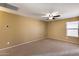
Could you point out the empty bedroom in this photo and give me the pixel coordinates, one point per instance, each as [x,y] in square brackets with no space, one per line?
[39,29]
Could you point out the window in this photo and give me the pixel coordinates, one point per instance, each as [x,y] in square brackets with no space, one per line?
[72,29]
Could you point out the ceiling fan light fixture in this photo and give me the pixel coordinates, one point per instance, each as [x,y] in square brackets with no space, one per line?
[50,17]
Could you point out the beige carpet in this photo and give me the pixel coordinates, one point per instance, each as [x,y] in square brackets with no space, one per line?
[46,47]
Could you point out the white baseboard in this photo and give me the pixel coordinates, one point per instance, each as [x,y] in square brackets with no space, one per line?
[20,44]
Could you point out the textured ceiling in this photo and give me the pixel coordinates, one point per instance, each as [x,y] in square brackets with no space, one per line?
[66,10]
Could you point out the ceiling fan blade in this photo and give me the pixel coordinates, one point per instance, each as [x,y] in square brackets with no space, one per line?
[44,16]
[57,16]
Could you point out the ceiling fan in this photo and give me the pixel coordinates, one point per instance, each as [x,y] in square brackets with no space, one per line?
[50,16]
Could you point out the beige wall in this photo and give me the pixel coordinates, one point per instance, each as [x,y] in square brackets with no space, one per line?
[25,29]
[57,30]
[20,29]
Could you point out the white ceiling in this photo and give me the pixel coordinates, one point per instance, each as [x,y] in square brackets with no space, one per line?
[66,10]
